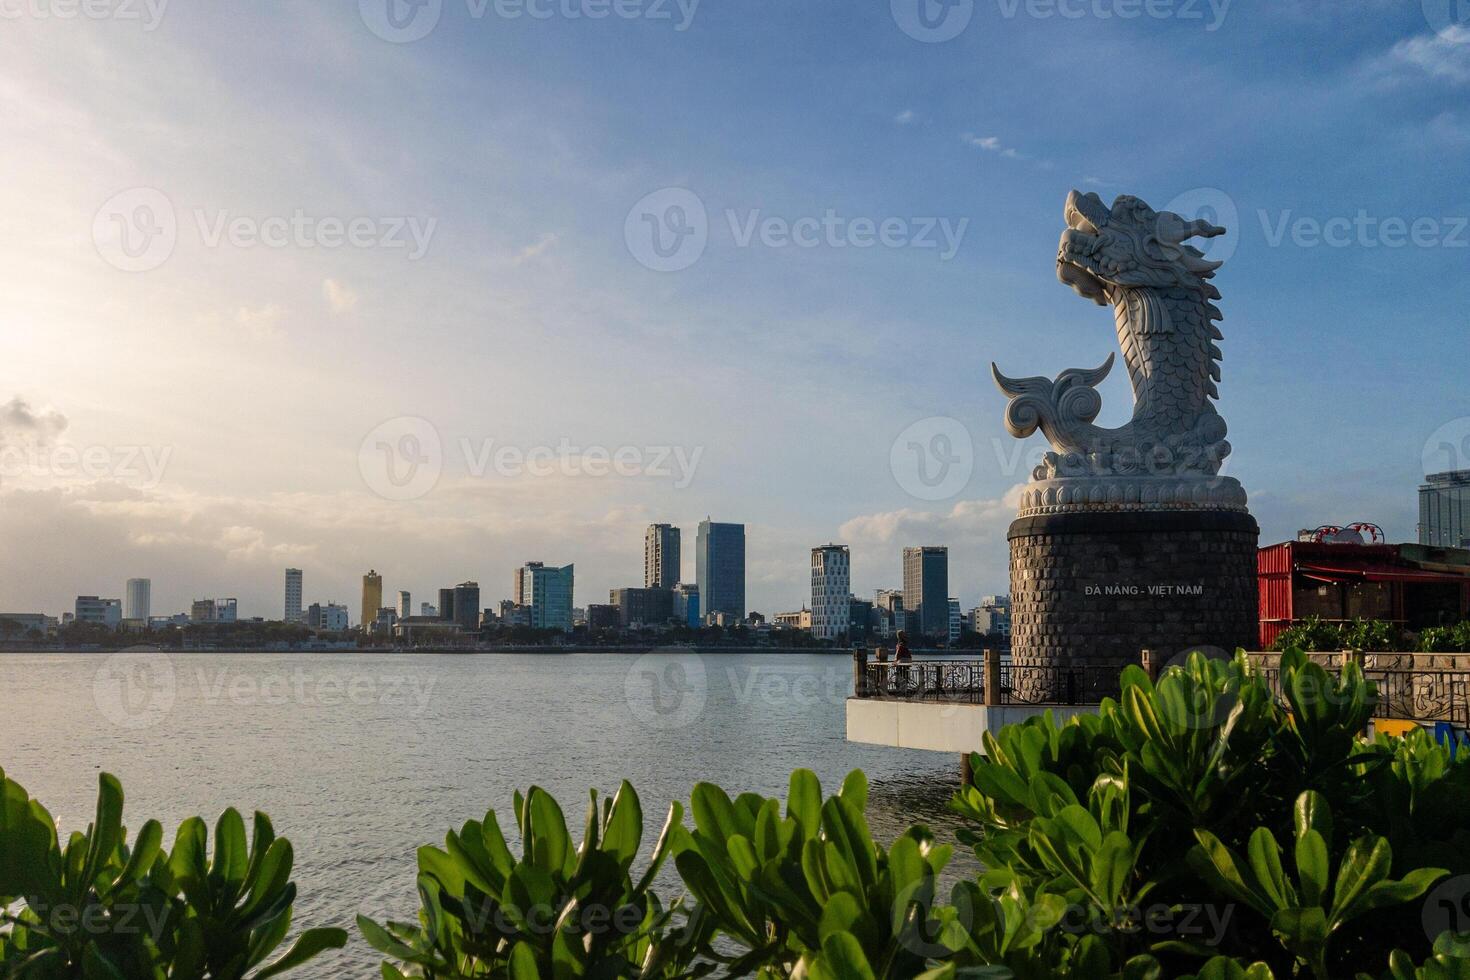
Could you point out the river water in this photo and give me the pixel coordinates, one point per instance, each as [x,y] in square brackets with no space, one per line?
[361,758]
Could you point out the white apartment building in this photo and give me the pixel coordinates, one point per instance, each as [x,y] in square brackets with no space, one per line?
[831,591]
[293,596]
[139,599]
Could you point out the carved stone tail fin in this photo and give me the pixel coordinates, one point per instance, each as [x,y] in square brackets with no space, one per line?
[1063,408]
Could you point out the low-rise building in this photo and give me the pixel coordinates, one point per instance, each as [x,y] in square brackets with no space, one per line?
[992,617]
[16,626]
[430,631]
[1412,585]
[331,618]
[98,611]
[642,607]
[686,604]
[603,617]
[799,620]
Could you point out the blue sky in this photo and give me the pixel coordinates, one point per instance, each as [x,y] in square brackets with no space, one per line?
[255,374]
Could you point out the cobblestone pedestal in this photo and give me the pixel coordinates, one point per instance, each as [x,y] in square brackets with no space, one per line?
[1095,588]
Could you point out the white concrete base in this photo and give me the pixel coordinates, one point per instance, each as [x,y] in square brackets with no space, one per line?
[937,726]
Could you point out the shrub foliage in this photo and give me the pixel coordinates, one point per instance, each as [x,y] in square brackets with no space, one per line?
[103,907]
[1199,826]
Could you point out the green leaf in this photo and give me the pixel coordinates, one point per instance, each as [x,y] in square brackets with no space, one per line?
[106,831]
[310,944]
[230,855]
[548,845]
[1112,868]
[624,831]
[1303,931]
[714,814]
[1311,812]
[523,963]
[1367,862]
[843,958]
[1265,858]
[1312,869]
[804,802]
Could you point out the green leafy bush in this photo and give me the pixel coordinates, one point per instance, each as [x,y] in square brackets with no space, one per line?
[1198,826]
[100,907]
[1445,639]
[810,893]
[1183,794]
[1195,827]
[1313,635]
[557,910]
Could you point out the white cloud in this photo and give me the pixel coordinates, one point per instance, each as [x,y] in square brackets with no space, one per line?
[1451,128]
[1445,56]
[263,323]
[905,117]
[19,419]
[974,531]
[537,248]
[992,144]
[340,297]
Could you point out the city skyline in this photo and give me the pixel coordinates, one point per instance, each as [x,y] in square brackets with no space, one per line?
[208,487]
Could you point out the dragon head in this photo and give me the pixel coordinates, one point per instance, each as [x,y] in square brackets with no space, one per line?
[1129,245]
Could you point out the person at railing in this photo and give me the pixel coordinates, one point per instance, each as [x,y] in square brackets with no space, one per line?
[903,658]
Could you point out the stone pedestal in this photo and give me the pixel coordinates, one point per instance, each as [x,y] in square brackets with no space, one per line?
[1096,587]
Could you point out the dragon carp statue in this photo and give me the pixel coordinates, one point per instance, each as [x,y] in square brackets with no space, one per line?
[1130,538]
[1136,260]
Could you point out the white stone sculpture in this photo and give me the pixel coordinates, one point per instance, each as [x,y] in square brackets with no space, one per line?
[1168,457]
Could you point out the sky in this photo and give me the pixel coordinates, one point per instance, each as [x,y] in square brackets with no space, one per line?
[441,288]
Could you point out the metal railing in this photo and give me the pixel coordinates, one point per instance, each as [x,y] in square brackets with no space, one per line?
[1420,694]
[1058,684]
[961,681]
